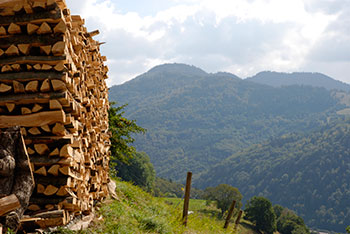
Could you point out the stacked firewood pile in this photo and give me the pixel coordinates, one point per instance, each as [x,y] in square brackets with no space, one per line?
[52,84]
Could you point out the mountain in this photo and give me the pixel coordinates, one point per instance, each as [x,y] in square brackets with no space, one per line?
[308,173]
[278,79]
[196,120]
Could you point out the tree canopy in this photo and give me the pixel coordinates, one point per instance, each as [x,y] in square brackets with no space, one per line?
[260,212]
[223,194]
[121,134]
[139,170]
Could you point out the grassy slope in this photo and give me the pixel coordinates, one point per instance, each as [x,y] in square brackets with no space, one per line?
[139,212]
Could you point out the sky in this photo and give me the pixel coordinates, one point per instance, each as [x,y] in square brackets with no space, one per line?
[242,37]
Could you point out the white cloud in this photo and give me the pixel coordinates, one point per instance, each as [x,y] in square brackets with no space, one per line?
[241,36]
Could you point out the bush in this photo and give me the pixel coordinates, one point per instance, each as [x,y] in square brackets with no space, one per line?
[260,212]
[223,194]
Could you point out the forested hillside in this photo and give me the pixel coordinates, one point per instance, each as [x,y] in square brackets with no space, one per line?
[195,119]
[308,173]
[279,79]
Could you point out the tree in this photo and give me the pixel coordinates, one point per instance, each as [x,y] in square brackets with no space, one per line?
[348,229]
[278,209]
[121,135]
[288,223]
[260,212]
[223,194]
[139,170]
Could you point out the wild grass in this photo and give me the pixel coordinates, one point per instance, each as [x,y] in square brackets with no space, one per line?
[136,211]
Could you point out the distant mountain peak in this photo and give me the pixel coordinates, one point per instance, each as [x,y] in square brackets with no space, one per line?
[227,74]
[176,67]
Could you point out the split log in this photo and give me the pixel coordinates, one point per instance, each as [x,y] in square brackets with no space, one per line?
[59,129]
[46,128]
[6,68]
[40,188]
[33,207]
[46,49]
[18,7]
[2,31]
[55,105]
[55,152]
[50,190]
[45,86]
[24,48]
[3,52]
[9,203]
[30,151]
[34,131]
[62,191]
[37,108]
[32,86]
[41,171]
[12,50]
[18,87]
[44,29]
[10,106]
[5,88]
[14,29]
[37,67]
[46,67]
[58,48]
[15,67]
[37,119]
[41,148]
[50,214]
[45,223]
[32,28]
[60,67]
[60,27]
[58,85]
[66,151]
[25,111]
[54,170]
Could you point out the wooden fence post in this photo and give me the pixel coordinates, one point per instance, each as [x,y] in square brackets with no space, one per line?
[187,198]
[230,212]
[239,217]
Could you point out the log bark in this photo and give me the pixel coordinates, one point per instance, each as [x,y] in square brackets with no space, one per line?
[33,40]
[52,60]
[25,76]
[46,16]
[37,119]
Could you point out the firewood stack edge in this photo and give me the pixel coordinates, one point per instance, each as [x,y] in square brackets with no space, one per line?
[52,84]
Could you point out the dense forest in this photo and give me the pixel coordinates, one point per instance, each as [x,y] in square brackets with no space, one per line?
[196,121]
[307,173]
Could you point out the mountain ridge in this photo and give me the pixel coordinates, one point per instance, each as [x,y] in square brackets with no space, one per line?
[315,79]
[200,118]
[196,120]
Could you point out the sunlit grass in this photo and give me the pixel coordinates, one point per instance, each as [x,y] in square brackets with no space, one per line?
[136,211]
